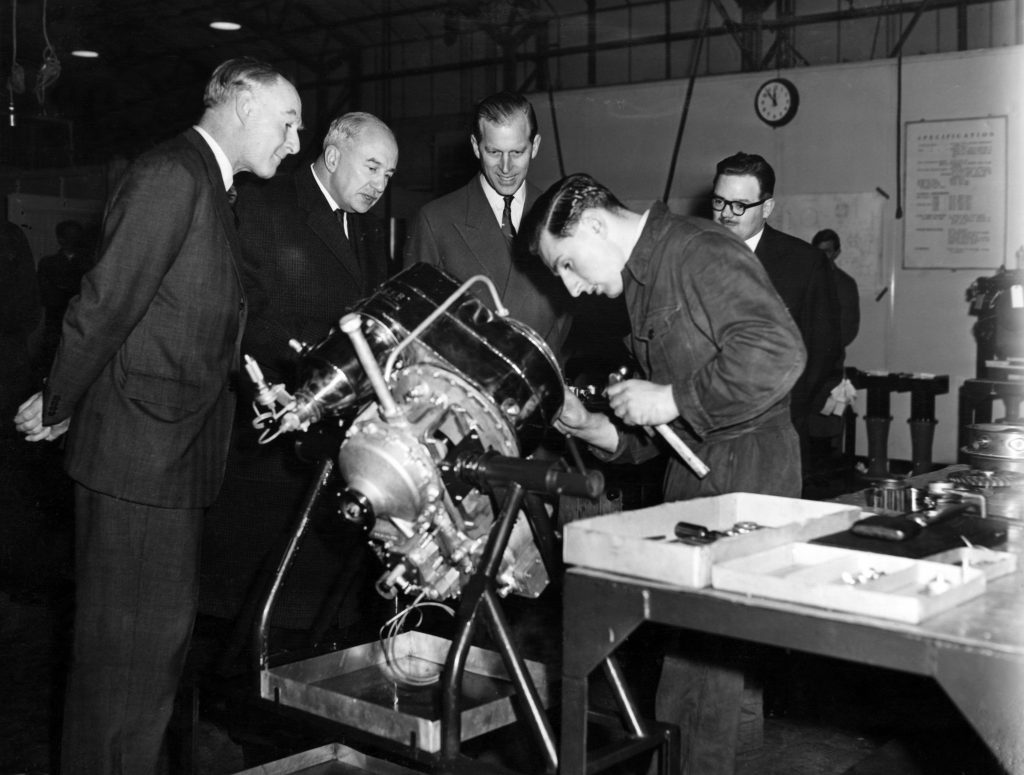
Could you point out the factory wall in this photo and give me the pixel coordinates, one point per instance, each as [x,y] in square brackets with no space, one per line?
[842,146]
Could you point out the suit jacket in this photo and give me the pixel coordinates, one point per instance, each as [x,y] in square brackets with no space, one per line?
[849,306]
[804,279]
[301,274]
[459,234]
[149,345]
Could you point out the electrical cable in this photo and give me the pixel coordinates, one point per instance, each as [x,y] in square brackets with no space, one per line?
[49,72]
[389,632]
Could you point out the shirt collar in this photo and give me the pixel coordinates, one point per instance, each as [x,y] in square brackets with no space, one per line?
[639,256]
[752,242]
[330,199]
[226,172]
[497,201]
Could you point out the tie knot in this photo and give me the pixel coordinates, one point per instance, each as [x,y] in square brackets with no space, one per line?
[232,194]
[508,199]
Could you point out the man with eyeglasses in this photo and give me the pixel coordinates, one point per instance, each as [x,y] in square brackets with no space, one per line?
[742,202]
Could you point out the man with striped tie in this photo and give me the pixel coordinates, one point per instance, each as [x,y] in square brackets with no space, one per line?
[472,230]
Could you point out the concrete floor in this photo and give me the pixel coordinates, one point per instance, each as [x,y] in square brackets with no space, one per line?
[822,717]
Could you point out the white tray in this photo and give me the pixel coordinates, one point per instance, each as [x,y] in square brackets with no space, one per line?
[642,542]
[989,561]
[902,589]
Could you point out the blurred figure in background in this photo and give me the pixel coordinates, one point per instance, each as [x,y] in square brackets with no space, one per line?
[19,314]
[60,278]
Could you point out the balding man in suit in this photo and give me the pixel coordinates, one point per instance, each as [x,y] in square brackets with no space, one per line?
[311,250]
[473,229]
[143,374]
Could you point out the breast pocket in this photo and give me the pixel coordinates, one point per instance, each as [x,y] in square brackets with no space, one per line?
[660,341]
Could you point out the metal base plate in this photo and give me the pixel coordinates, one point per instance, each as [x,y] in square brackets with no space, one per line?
[358,688]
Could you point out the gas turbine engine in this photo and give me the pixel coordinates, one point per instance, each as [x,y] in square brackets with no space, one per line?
[434,384]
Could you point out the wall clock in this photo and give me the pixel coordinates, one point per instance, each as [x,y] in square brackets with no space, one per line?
[776,102]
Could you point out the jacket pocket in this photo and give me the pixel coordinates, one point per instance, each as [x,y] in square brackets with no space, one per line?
[163,397]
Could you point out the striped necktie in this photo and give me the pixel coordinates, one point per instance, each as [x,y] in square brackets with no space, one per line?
[506,219]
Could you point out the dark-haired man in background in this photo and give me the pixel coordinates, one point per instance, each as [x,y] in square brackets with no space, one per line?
[143,376]
[743,200]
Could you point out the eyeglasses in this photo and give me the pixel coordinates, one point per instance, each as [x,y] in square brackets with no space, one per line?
[738,208]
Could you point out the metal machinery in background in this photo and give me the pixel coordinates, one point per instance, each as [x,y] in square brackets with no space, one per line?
[438,398]
[994,445]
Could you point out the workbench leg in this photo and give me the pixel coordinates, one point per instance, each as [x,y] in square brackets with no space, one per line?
[575,702]
[922,434]
[878,446]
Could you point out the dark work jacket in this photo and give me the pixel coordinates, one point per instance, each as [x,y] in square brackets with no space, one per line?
[707,321]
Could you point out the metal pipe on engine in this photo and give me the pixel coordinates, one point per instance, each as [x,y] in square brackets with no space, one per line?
[352,325]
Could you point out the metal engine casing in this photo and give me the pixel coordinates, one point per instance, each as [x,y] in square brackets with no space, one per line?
[469,380]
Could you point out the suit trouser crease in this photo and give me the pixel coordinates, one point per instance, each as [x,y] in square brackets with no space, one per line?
[136,598]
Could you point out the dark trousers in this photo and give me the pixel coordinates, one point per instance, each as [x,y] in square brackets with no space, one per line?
[702,677]
[136,590]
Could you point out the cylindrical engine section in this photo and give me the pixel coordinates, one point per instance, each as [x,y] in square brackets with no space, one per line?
[508,360]
[332,378]
[388,467]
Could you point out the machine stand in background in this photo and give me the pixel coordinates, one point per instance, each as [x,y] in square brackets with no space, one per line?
[923,389]
[880,385]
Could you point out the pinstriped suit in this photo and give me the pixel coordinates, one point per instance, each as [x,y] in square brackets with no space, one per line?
[143,370]
[150,343]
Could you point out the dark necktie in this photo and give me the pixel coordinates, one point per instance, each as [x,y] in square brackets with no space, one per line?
[340,215]
[506,219]
[232,195]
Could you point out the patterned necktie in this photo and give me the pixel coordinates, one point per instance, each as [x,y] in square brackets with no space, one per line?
[232,195]
[506,219]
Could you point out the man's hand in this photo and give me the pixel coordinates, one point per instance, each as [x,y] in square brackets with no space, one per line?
[639,402]
[591,427]
[29,420]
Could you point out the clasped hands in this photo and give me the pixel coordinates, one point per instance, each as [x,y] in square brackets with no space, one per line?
[29,420]
[634,401]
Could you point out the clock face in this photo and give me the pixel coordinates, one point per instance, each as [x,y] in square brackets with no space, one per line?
[776,101]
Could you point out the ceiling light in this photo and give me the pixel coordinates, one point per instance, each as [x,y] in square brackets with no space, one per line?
[230,26]
[85,53]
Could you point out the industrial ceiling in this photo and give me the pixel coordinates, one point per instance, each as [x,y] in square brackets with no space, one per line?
[155,55]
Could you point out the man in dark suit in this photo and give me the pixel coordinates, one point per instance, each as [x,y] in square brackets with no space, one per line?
[473,230]
[827,241]
[310,252]
[143,375]
[743,200]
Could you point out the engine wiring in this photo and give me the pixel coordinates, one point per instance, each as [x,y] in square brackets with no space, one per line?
[389,635]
